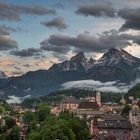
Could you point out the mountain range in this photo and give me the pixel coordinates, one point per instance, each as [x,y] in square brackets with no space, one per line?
[114,65]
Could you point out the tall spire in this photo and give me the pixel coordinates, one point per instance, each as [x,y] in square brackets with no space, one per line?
[98,98]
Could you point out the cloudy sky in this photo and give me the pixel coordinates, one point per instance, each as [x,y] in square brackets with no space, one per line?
[34,34]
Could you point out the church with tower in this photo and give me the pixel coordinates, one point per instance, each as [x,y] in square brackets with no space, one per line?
[88,103]
[96,99]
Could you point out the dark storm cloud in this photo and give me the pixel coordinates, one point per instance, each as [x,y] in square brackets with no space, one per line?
[57,22]
[5,30]
[131,17]
[45,45]
[13,12]
[6,42]
[97,10]
[26,52]
[85,42]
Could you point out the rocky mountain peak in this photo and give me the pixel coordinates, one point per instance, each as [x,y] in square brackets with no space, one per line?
[114,65]
[112,52]
[113,57]
[79,57]
[127,55]
[130,59]
[91,60]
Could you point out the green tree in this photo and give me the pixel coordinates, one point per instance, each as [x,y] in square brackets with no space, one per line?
[10,123]
[63,127]
[43,112]
[71,134]
[33,136]
[14,134]
[29,116]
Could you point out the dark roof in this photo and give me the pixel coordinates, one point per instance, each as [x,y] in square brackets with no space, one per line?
[114,125]
[113,117]
[88,105]
[113,121]
[70,100]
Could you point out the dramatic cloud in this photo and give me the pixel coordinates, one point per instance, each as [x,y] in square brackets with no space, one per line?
[6,30]
[97,85]
[85,42]
[57,22]
[45,45]
[131,17]
[97,10]
[6,42]
[110,86]
[13,12]
[26,52]
[136,39]
[53,48]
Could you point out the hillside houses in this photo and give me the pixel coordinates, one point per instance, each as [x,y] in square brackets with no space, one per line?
[103,119]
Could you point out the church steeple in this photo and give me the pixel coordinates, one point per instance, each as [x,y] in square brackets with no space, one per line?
[98,98]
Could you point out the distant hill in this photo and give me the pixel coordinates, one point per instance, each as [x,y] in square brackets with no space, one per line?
[135,91]
[114,65]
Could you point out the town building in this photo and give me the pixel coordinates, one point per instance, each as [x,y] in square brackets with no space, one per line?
[123,100]
[55,110]
[69,103]
[112,107]
[110,126]
[95,99]
[134,117]
[83,107]
[87,109]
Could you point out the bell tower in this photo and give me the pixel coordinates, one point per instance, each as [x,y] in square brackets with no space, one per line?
[98,98]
